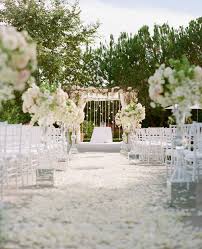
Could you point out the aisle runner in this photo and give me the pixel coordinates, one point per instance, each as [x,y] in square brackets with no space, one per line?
[114,206]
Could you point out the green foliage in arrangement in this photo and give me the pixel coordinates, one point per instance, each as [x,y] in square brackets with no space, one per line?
[117,134]
[11,111]
[87,128]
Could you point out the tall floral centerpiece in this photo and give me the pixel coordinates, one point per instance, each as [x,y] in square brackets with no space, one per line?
[17,61]
[79,98]
[49,107]
[73,118]
[179,85]
[45,107]
[130,117]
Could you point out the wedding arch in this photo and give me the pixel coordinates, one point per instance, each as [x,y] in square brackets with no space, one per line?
[100,106]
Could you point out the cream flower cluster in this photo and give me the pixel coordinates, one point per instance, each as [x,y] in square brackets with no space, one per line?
[180,84]
[130,117]
[73,116]
[48,108]
[17,60]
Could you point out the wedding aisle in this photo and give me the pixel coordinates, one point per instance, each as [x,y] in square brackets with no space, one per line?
[100,203]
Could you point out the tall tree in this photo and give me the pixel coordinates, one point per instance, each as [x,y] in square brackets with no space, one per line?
[60,35]
[133,58]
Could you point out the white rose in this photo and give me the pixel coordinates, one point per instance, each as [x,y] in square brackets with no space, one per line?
[139,106]
[3,58]
[22,78]
[31,52]
[21,40]
[151,80]
[198,73]
[20,61]
[172,79]
[61,97]
[167,72]
[6,92]
[7,75]
[9,42]
[35,92]
[155,91]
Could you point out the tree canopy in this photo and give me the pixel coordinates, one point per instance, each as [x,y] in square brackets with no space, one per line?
[131,59]
[61,39]
[60,35]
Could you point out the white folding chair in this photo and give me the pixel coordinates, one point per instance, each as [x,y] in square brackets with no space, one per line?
[12,153]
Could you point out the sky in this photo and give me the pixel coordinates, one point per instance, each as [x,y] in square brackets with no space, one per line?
[116,16]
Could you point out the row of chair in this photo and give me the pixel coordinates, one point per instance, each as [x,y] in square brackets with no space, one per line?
[147,145]
[158,146]
[24,149]
[185,163]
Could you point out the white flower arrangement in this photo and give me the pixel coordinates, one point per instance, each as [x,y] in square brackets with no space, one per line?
[39,105]
[73,116]
[130,117]
[48,107]
[17,61]
[180,84]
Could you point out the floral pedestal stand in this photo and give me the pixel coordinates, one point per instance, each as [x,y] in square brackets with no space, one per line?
[73,149]
[181,187]
[44,137]
[134,155]
[62,154]
[45,172]
[125,145]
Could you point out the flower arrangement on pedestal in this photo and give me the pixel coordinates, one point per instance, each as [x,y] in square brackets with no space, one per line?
[130,117]
[179,85]
[17,61]
[48,107]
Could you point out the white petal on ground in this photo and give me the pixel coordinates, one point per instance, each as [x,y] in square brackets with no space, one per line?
[102,203]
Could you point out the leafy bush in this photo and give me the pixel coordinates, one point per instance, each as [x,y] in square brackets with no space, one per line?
[11,111]
[87,128]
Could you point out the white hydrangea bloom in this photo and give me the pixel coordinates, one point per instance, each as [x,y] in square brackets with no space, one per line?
[48,108]
[130,117]
[171,86]
[17,60]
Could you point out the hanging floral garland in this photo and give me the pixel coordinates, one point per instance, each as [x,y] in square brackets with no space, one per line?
[93,93]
